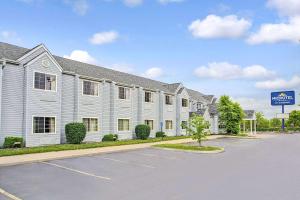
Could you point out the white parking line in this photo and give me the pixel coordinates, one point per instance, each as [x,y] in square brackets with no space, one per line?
[10,196]
[75,170]
[154,155]
[126,162]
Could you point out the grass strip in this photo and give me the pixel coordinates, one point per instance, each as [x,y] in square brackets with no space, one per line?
[64,147]
[188,147]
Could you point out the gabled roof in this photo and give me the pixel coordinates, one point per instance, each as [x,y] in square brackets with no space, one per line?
[198,96]
[249,114]
[172,87]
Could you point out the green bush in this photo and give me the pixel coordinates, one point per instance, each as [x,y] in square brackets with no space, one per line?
[13,142]
[160,134]
[110,137]
[142,131]
[75,132]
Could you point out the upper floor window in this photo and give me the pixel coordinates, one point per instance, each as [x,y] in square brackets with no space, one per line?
[169,100]
[91,124]
[43,124]
[90,88]
[149,123]
[200,106]
[148,96]
[44,81]
[184,102]
[124,93]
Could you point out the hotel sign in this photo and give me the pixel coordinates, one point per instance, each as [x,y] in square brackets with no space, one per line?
[283,98]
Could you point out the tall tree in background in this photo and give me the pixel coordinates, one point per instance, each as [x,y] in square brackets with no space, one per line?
[294,119]
[231,114]
[262,122]
[275,123]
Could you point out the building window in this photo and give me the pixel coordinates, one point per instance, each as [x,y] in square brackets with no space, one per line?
[91,124]
[124,93]
[184,124]
[90,88]
[149,123]
[43,124]
[169,124]
[44,81]
[168,99]
[184,102]
[123,124]
[148,97]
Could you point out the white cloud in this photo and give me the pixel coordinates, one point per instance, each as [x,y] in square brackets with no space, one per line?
[82,56]
[104,37]
[9,36]
[280,83]
[273,33]
[226,71]
[153,72]
[79,6]
[133,3]
[164,2]
[219,27]
[285,7]
[123,67]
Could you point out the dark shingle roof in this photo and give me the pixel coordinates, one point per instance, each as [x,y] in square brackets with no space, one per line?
[213,109]
[198,96]
[11,52]
[172,87]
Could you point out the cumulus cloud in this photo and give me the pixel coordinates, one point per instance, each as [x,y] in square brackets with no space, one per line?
[104,37]
[153,72]
[133,3]
[285,7]
[79,6]
[82,56]
[219,27]
[9,36]
[227,71]
[123,67]
[280,83]
[273,33]
[164,2]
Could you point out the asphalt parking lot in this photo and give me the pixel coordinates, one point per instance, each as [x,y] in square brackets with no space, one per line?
[264,169]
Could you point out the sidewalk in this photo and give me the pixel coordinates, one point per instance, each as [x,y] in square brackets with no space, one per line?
[38,157]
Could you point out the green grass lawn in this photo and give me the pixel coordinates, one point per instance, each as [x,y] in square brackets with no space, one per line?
[188,147]
[63,147]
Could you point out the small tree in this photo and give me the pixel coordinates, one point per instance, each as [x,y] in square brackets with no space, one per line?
[142,131]
[198,128]
[75,132]
[275,123]
[294,119]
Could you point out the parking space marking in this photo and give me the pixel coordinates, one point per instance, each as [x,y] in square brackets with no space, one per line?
[10,196]
[76,171]
[154,155]
[126,162]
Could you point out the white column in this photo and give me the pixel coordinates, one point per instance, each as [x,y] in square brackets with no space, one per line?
[251,127]
[244,127]
[255,127]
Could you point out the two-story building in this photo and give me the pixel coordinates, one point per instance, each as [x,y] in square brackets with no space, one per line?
[40,93]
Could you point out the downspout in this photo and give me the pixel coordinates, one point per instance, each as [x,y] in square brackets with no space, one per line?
[24,102]
[1,76]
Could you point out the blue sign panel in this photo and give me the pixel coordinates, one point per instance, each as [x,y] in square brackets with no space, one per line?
[283,98]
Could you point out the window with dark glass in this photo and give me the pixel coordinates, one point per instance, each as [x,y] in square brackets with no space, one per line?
[184,102]
[169,100]
[148,97]
[91,124]
[90,88]
[44,125]
[44,81]
[124,93]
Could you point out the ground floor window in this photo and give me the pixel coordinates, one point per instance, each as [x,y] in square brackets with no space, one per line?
[123,124]
[184,124]
[91,124]
[169,124]
[149,123]
[43,124]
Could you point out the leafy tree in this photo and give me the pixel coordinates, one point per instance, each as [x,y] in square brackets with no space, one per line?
[262,122]
[198,128]
[275,123]
[231,114]
[294,119]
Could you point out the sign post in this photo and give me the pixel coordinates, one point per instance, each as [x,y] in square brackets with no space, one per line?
[281,99]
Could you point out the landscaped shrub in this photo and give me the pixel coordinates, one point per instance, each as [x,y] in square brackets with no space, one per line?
[13,142]
[142,131]
[75,132]
[160,134]
[110,137]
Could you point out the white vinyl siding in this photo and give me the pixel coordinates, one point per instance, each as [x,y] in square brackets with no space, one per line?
[44,81]
[43,124]
[90,88]
[123,124]
[91,124]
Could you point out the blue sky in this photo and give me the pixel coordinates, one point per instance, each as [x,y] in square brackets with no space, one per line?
[244,49]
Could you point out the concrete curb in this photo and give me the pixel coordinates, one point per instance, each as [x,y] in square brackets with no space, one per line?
[192,151]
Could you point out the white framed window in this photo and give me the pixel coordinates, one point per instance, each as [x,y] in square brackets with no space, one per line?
[150,124]
[90,88]
[91,124]
[169,124]
[123,124]
[148,96]
[43,124]
[184,102]
[169,100]
[124,93]
[44,81]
